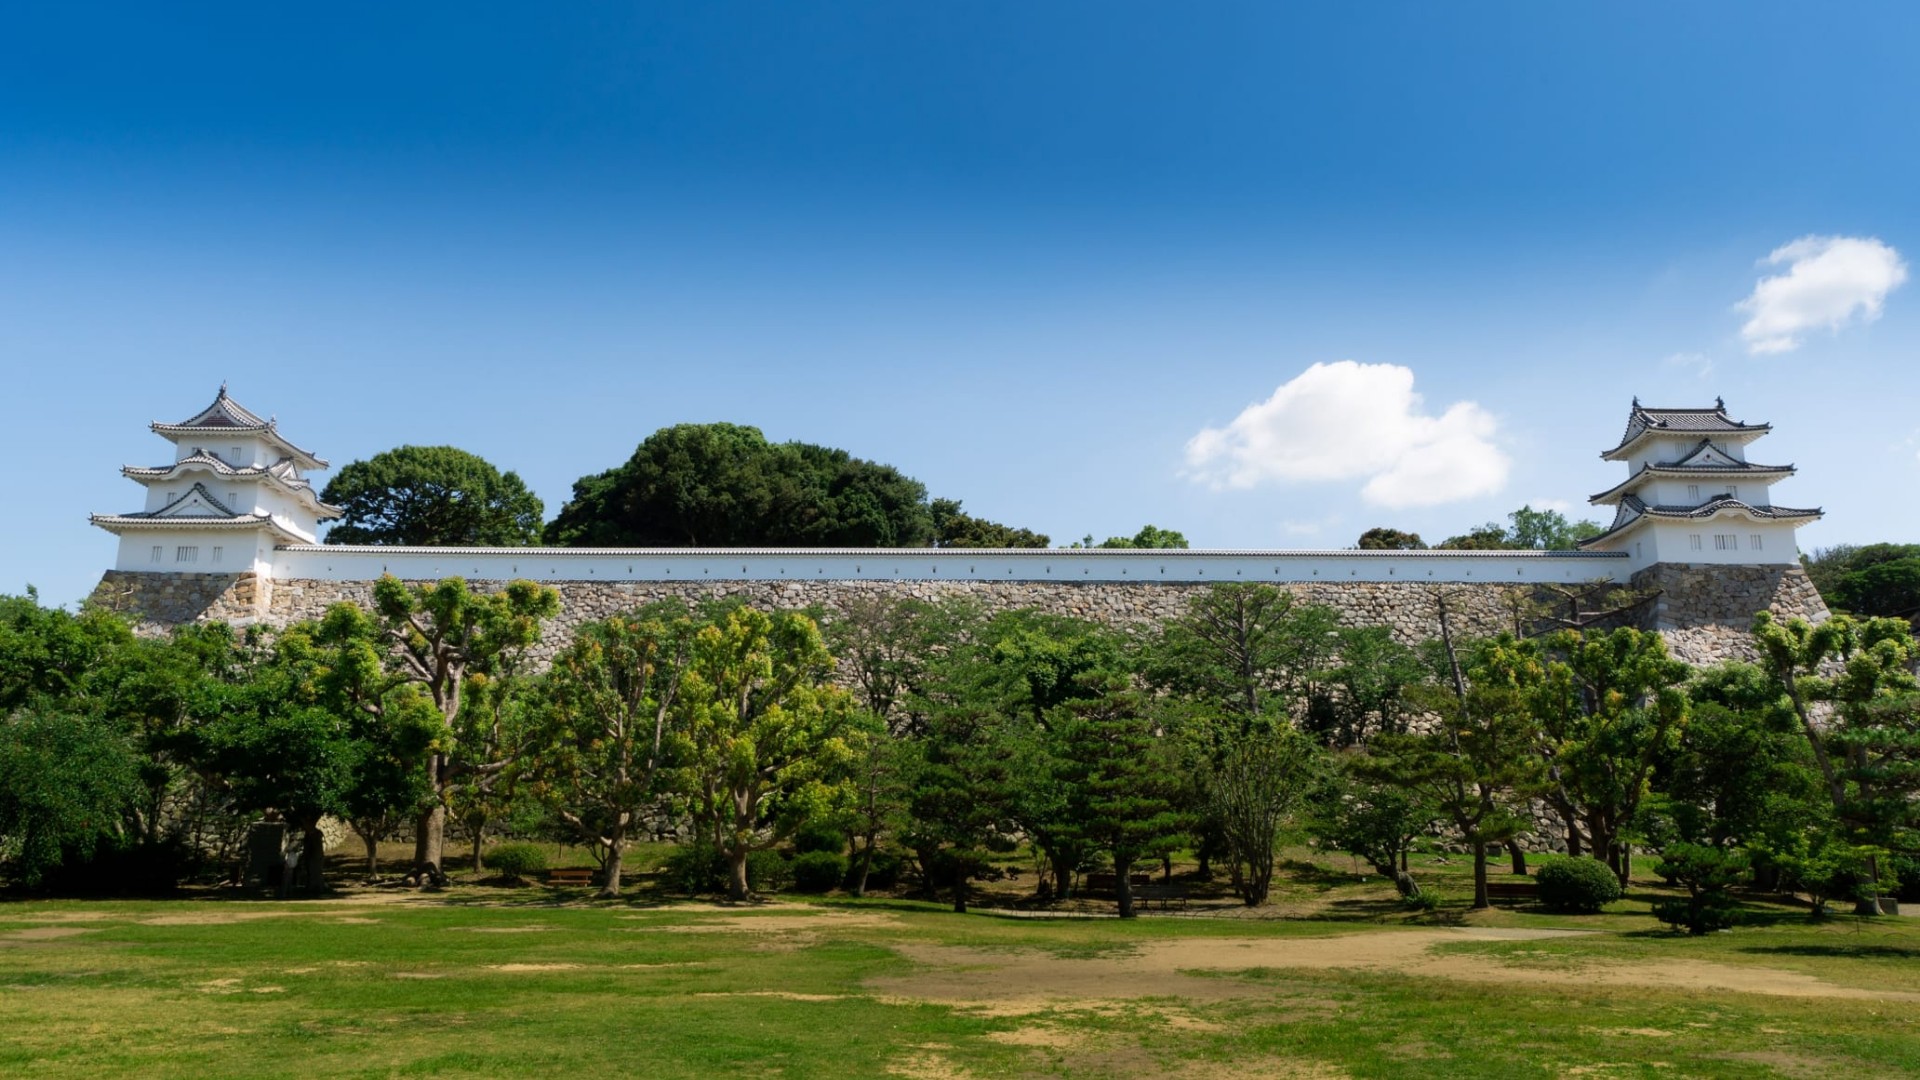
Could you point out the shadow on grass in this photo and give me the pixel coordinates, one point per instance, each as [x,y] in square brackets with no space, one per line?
[1301,872]
[1858,952]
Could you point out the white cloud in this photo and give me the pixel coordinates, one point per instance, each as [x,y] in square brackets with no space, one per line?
[1700,363]
[1346,421]
[1830,281]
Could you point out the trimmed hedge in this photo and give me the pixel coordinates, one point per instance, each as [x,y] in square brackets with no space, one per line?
[515,861]
[1577,886]
[818,871]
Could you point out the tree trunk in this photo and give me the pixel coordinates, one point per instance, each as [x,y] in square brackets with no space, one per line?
[313,859]
[479,827]
[866,866]
[1574,845]
[610,888]
[1123,886]
[372,840]
[1480,875]
[1407,887]
[1062,879]
[430,836]
[1519,857]
[737,874]
[959,893]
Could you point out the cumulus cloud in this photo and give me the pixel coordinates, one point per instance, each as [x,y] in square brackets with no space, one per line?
[1830,281]
[1348,421]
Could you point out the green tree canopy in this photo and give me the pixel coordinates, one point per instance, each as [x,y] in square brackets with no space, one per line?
[1527,530]
[1869,580]
[432,495]
[954,528]
[725,485]
[1381,538]
[1149,536]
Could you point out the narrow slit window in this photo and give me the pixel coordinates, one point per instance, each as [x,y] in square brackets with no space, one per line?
[1693,541]
[186,553]
[1693,491]
[156,553]
[214,556]
[1756,541]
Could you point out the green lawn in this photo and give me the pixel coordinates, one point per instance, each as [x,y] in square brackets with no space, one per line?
[530,982]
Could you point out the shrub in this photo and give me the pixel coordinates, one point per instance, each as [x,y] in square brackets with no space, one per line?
[1579,886]
[515,861]
[767,871]
[1709,874]
[819,836]
[884,874]
[818,871]
[694,869]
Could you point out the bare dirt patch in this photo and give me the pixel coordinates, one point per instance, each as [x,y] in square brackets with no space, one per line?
[1051,1038]
[524,968]
[786,995]
[56,916]
[45,933]
[221,918]
[928,1065]
[1030,982]
[749,923]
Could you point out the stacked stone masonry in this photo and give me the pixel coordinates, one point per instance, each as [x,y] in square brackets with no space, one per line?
[1703,611]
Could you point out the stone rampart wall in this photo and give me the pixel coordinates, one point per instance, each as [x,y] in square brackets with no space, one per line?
[1408,609]
[1703,611]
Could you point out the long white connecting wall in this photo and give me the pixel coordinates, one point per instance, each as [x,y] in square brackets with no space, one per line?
[348,563]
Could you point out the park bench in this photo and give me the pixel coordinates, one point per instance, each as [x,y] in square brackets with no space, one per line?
[1512,890]
[1165,894]
[1109,882]
[570,875]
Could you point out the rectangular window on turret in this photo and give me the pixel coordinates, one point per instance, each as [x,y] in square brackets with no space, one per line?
[156,553]
[1693,541]
[186,553]
[1756,541]
[1733,490]
[214,556]
[1693,491]
[1725,542]
[236,457]
[233,500]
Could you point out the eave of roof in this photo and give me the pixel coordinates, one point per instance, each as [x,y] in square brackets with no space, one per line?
[298,488]
[1648,472]
[228,417]
[1641,513]
[1645,422]
[117,523]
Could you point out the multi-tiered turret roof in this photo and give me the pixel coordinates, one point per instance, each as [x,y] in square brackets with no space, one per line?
[232,472]
[1688,467]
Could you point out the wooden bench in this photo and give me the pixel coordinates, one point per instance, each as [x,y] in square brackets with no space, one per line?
[1512,890]
[1165,894]
[1109,882]
[570,875]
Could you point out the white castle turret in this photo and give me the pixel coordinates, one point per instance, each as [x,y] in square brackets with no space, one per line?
[234,490]
[1691,495]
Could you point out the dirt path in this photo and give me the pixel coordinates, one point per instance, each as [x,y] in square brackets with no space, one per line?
[1025,982]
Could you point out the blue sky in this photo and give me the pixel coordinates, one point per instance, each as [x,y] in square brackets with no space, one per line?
[1026,252]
